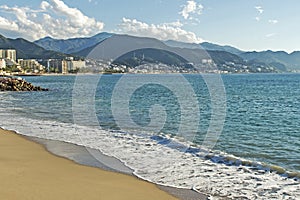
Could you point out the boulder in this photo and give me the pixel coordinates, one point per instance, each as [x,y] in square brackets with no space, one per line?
[18,84]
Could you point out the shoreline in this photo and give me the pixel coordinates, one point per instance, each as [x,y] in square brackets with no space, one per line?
[79,156]
[102,73]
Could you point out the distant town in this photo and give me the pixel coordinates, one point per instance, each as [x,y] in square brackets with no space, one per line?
[10,65]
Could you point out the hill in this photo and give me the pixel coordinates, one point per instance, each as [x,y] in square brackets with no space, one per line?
[219,53]
[133,51]
[216,47]
[72,45]
[121,45]
[124,49]
[278,58]
[205,45]
[28,50]
[78,44]
[149,55]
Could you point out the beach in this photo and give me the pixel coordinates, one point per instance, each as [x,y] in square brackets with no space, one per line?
[247,161]
[29,171]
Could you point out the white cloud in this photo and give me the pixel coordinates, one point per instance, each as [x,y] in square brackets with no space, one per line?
[44,5]
[174,24]
[54,19]
[166,31]
[259,9]
[191,7]
[8,25]
[270,35]
[75,17]
[23,19]
[273,21]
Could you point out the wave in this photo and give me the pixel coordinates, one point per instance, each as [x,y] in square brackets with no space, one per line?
[170,161]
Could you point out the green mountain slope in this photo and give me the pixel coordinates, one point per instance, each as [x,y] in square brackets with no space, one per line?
[28,50]
[277,58]
[133,51]
[204,45]
[71,45]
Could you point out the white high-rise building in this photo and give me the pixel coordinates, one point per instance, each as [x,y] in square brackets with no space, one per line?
[2,63]
[10,54]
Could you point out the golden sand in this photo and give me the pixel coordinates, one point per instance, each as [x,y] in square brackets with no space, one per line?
[28,171]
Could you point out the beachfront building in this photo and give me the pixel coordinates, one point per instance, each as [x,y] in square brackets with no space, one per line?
[54,65]
[2,63]
[78,64]
[10,54]
[69,66]
[31,65]
[65,66]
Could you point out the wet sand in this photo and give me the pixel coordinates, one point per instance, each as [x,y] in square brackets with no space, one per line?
[94,158]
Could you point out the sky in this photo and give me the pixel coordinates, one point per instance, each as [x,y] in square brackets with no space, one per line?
[246,24]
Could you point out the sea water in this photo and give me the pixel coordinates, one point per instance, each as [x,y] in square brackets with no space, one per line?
[256,156]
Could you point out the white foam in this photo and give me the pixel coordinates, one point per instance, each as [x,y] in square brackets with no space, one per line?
[163,165]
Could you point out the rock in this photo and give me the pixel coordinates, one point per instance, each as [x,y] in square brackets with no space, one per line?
[18,84]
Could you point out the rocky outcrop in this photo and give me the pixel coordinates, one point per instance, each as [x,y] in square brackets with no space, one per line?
[18,84]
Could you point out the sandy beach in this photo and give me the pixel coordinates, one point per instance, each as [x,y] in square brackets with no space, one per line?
[28,171]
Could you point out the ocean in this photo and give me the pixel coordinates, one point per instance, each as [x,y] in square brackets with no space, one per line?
[234,136]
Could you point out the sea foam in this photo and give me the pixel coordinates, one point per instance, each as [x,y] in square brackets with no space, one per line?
[167,161]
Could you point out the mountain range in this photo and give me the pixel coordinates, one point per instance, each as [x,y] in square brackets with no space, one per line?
[280,60]
[133,51]
[28,50]
[204,45]
[71,45]
[59,48]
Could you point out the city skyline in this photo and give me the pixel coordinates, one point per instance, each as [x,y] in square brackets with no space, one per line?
[248,25]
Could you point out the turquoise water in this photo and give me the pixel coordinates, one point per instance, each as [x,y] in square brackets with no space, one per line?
[261,124]
[262,121]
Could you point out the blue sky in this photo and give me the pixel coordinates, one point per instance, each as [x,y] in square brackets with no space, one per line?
[246,24]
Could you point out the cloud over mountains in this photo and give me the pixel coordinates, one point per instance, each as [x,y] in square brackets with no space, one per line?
[165,31]
[54,18]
